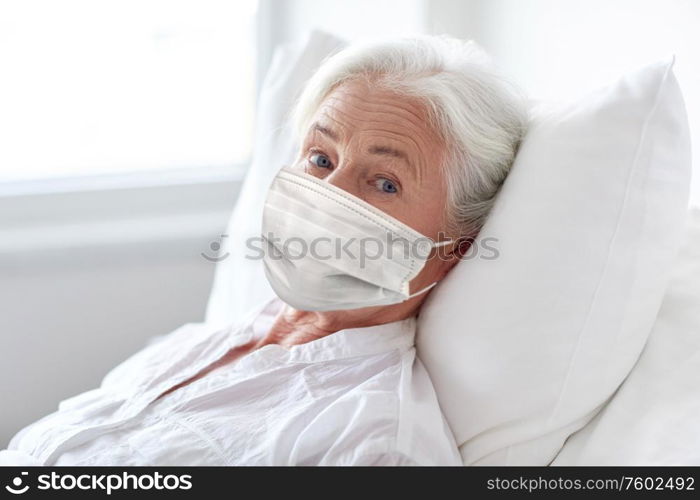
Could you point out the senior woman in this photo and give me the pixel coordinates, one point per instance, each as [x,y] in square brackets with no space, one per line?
[399,137]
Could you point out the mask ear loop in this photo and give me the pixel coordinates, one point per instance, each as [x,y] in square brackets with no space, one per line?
[443,243]
[421,291]
[425,289]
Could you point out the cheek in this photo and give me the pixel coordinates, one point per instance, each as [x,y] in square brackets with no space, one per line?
[426,212]
[425,217]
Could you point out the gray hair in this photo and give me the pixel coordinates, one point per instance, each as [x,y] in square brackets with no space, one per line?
[480,116]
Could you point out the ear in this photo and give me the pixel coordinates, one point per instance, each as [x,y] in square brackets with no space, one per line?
[451,255]
[463,245]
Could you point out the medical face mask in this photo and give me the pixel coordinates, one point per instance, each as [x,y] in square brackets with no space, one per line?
[325,249]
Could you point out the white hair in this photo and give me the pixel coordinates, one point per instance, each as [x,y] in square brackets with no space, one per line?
[480,116]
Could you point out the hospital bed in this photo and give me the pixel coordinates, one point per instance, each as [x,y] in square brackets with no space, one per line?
[596,359]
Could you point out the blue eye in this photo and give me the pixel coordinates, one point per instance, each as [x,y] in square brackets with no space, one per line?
[323,161]
[387,186]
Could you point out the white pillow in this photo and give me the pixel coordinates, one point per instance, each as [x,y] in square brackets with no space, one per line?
[653,418]
[240,283]
[524,349]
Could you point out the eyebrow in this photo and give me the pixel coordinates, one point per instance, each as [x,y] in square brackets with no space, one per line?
[325,131]
[387,151]
[375,150]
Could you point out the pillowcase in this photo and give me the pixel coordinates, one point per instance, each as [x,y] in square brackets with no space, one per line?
[239,283]
[524,349]
[653,418]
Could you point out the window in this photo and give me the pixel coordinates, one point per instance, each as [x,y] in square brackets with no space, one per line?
[92,87]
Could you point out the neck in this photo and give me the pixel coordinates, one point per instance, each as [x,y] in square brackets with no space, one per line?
[293,326]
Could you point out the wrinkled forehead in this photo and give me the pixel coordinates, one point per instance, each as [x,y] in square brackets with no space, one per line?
[360,110]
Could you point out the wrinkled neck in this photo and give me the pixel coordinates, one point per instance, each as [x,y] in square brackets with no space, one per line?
[293,326]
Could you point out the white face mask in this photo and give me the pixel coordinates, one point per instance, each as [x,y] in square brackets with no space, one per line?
[326,249]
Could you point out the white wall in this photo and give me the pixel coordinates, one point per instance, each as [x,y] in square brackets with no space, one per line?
[86,278]
[64,325]
[350,20]
[557,49]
